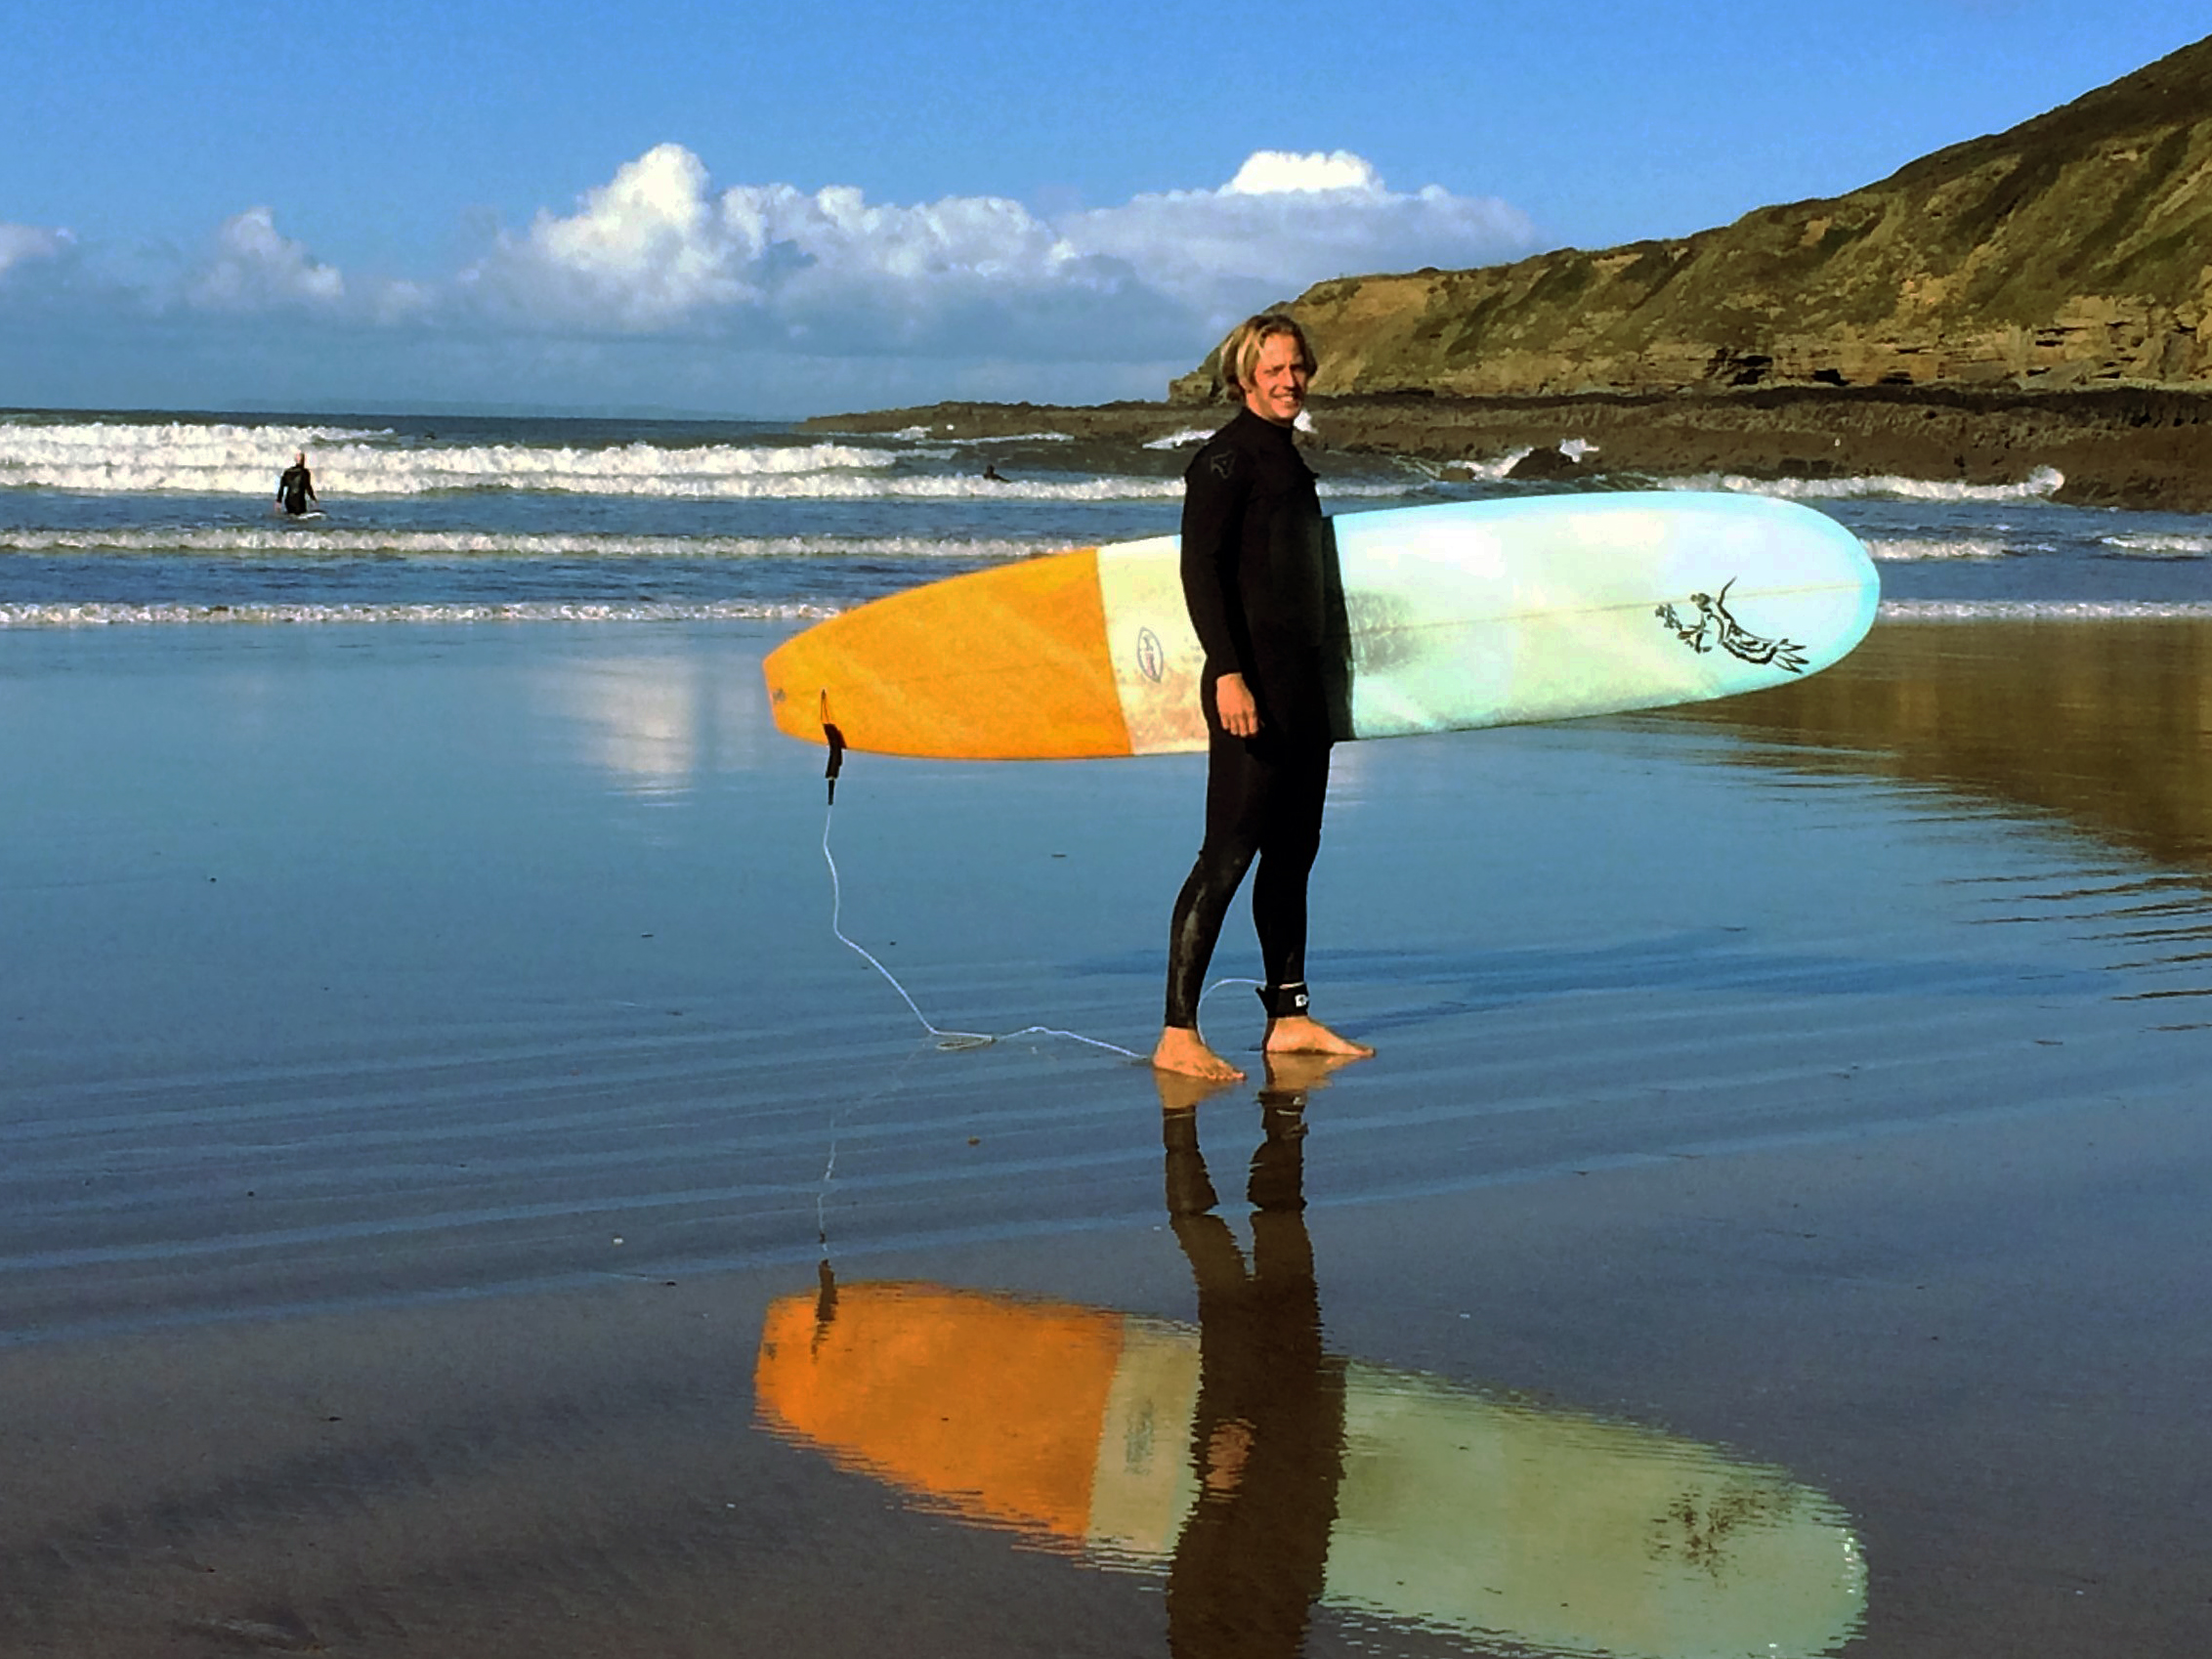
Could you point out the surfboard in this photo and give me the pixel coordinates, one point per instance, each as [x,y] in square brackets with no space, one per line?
[1536,1527]
[1457,616]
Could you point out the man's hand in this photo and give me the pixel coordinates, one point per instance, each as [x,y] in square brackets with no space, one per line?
[1239,710]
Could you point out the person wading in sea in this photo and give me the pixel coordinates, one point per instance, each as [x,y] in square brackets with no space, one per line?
[1259,578]
[296,488]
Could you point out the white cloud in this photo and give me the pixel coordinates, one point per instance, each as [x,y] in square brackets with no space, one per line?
[655,251]
[1273,172]
[1286,222]
[253,267]
[659,286]
[21,243]
[398,302]
[644,251]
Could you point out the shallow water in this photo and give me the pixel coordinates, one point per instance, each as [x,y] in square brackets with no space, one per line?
[433,1082]
[150,518]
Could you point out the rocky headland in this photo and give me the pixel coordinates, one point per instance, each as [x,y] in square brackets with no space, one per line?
[2034,298]
[2122,447]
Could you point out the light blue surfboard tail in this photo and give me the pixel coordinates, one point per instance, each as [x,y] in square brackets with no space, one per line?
[1549,607]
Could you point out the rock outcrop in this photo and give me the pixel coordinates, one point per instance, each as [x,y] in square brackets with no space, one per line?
[2075,250]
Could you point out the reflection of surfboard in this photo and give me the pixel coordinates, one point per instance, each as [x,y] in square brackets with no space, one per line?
[1460,615]
[1545,1528]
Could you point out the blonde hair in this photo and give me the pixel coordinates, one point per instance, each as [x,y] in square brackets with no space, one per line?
[1240,351]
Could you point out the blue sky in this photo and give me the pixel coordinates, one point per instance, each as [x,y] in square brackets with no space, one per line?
[751,209]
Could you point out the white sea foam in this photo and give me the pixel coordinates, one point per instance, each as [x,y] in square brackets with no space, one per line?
[1188,436]
[2044,610]
[2039,485]
[1493,471]
[230,460]
[815,472]
[103,616]
[98,614]
[1010,438]
[1430,472]
[2154,546]
[56,453]
[322,541]
[99,457]
[105,434]
[1911,549]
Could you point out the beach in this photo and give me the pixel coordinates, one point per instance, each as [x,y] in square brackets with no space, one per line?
[460,1194]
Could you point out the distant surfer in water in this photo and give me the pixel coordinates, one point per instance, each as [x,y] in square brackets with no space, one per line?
[296,488]
[1259,580]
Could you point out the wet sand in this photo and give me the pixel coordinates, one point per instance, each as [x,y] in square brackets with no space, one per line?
[432,1077]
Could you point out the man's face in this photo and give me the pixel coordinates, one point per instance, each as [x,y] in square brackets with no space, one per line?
[1276,389]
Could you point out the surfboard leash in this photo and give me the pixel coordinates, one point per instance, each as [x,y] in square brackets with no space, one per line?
[945,1039]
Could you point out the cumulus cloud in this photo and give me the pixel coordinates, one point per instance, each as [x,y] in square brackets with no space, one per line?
[254,268]
[647,249]
[656,250]
[1282,172]
[21,243]
[1288,221]
[660,274]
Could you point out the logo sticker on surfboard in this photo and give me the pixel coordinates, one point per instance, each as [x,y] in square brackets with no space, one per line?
[1151,656]
[1713,625]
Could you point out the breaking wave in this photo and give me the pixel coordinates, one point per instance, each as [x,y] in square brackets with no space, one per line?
[719,473]
[106,615]
[2044,610]
[2039,485]
[324,541]
[2155,546]
[1190,435]
[1913,549]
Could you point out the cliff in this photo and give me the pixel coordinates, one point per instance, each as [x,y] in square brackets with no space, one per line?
[2075,250]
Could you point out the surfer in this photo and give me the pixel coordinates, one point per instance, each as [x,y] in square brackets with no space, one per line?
[295,489]
[1259,580]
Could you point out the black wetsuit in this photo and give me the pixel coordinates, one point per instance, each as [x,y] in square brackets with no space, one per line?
[1260,579]
[296,488]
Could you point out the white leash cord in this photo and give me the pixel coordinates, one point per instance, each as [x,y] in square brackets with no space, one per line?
[960,1039]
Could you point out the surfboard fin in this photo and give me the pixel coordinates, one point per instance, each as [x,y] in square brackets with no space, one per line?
[837,758]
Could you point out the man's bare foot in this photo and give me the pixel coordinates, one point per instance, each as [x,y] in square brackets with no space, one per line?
[1182,1051]
[1295,1034]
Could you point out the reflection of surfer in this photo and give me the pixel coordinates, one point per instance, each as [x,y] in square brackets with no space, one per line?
[1256,567]
[295,491]
[1267,1440]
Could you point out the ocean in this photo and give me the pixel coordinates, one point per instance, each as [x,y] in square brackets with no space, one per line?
[168,520]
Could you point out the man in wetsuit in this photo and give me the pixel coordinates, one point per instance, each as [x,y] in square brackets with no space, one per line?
[1260,580]
[296,488]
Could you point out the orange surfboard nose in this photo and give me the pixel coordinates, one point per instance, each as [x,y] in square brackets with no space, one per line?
[997,665]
